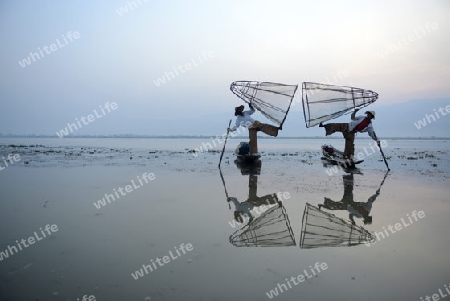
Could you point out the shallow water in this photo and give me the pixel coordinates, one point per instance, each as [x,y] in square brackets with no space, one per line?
[95,251]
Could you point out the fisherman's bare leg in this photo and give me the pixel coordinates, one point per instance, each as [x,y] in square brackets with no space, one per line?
[332,205]
[348,189]
[269,129]
[253,144]
[349,137]
[349,150]
[332,128]
[252,187]
[265,128]
[268,199]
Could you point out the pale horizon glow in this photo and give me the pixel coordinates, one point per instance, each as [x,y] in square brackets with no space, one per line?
[400,50]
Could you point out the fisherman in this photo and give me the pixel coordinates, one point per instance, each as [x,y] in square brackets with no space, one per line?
[243,119]
[358,124]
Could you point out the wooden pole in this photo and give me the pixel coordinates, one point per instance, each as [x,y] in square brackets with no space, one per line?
[225,142]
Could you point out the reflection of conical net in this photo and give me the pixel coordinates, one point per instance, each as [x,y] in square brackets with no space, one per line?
[270,229]
[322,229]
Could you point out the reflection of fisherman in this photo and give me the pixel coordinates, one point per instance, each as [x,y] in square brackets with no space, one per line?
[356,209]
[358,124]
[243,119]
[254,203]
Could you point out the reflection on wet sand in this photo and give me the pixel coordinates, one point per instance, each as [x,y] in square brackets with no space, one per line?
[323,229]
[267,222]
[355,209]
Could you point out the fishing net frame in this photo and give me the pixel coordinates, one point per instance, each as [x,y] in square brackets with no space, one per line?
[320,95]
[273,100]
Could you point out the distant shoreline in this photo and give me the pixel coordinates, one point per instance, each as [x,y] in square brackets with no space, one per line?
[207,137]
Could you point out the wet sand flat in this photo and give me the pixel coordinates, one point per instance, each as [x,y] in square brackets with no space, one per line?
[96,250]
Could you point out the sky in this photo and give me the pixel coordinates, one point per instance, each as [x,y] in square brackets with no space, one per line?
[129,53]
